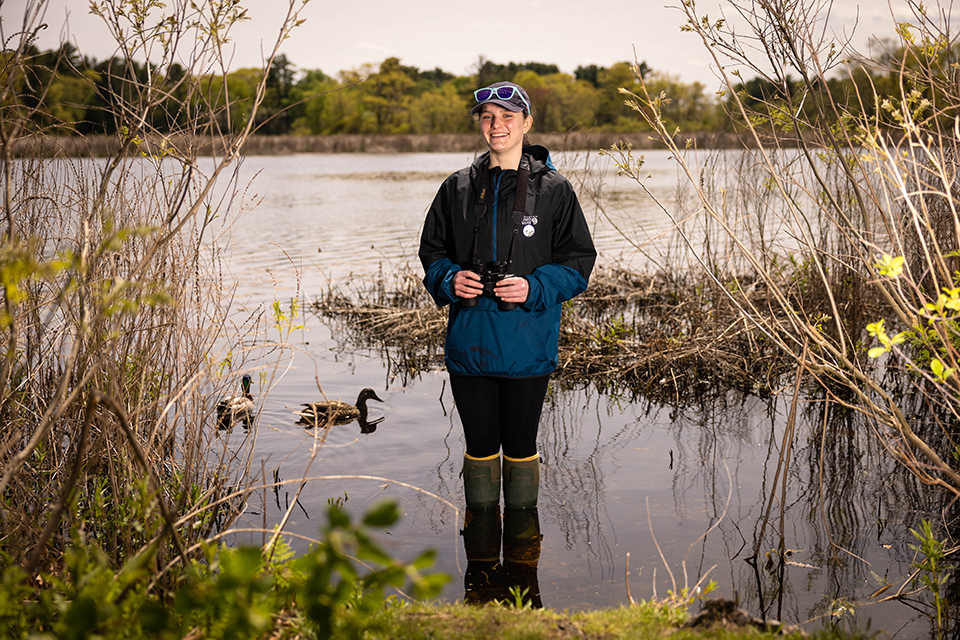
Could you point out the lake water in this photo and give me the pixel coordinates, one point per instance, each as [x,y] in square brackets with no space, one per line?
[619,477]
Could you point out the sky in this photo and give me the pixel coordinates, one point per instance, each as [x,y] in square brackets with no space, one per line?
[454,35]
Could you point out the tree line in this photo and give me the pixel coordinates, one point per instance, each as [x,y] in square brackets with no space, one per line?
[64,89]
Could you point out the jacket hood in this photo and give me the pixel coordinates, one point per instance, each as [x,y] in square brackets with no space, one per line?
[539,155]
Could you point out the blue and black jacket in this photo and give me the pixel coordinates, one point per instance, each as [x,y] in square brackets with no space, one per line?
[553,251]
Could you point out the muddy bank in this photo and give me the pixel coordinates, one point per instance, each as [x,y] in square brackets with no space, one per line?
[355,143]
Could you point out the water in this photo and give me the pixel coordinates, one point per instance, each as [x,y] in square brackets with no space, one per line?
[619,477]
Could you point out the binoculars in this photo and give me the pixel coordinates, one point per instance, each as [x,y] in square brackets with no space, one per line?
[490,274]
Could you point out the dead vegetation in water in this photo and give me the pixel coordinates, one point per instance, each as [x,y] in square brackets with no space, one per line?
[660,335]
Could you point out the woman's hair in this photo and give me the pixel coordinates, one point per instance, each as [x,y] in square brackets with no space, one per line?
[476,116]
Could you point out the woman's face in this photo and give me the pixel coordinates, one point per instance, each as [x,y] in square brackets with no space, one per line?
[503,130]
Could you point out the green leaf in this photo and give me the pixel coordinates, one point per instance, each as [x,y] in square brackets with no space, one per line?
[941,371]
[890,266]
[338,517]
[425,559]
[382,515]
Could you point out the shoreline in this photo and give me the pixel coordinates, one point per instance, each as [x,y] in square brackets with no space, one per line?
[102,146]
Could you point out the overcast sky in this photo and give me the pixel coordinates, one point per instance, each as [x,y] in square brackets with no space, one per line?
[453,35]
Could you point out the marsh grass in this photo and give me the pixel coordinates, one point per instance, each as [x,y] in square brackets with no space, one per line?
[661,335]
[105,146]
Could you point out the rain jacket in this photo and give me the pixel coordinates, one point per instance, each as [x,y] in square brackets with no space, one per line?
[553,251]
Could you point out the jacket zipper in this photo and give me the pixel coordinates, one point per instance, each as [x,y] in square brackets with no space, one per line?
[496,201]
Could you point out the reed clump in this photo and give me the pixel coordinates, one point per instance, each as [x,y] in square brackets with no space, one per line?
[661,335]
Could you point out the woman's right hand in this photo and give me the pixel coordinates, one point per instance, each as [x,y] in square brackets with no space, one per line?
[466,284]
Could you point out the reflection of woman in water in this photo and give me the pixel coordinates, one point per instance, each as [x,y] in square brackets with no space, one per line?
[505,243]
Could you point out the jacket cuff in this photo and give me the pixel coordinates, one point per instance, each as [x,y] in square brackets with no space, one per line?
[439,281]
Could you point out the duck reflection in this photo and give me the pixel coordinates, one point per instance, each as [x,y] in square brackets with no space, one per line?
[366,426]
[487,578]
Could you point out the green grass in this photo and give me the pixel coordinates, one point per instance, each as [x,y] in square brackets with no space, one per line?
[471,622]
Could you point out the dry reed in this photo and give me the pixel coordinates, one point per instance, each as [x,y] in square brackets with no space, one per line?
[115,318]
[658,335]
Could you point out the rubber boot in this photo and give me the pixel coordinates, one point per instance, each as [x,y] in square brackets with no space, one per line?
[521,553]
[481,481]
[521,481]
[482,581]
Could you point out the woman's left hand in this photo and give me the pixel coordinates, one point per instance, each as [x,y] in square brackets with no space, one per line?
[513,290]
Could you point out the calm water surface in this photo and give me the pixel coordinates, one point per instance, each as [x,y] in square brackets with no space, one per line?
[619,476]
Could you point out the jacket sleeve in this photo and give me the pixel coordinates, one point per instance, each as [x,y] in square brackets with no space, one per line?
[572,243]
[552,284]
[436,246]
[573,251]
[439,281]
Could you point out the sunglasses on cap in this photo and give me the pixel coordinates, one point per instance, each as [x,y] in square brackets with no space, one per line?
[505,92]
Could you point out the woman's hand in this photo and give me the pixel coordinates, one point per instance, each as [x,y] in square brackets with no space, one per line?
[513,290]
[466,284]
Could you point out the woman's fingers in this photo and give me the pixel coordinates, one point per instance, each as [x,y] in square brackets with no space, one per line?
[513,289]
[466,284]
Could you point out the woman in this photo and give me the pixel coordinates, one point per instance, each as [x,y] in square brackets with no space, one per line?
[505,243]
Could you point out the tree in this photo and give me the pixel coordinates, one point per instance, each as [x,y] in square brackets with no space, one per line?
[443,111]
[386,97]
[310,95]
[274,117]
[684,105]
[561,102]
[612,112]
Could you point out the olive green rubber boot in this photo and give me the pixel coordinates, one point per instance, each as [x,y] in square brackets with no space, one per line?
[481,481]
[521,481]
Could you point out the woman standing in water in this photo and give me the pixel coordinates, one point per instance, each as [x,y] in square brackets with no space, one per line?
[505,243]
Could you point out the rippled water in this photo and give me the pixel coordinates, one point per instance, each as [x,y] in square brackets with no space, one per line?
[619,477]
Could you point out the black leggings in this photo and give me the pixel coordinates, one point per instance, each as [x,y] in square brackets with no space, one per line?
[499,412]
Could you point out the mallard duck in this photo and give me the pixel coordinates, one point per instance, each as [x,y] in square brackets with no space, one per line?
[335,411]
[236,409]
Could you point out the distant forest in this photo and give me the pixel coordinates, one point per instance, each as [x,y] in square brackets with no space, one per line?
[72,93]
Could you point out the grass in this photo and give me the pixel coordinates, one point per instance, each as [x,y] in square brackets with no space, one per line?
[105,146]
[492,621]
[644,620]
[641,621]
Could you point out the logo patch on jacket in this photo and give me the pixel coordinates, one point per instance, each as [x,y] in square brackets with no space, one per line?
[528,223]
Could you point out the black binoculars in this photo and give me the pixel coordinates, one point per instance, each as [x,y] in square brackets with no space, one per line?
[490,274]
